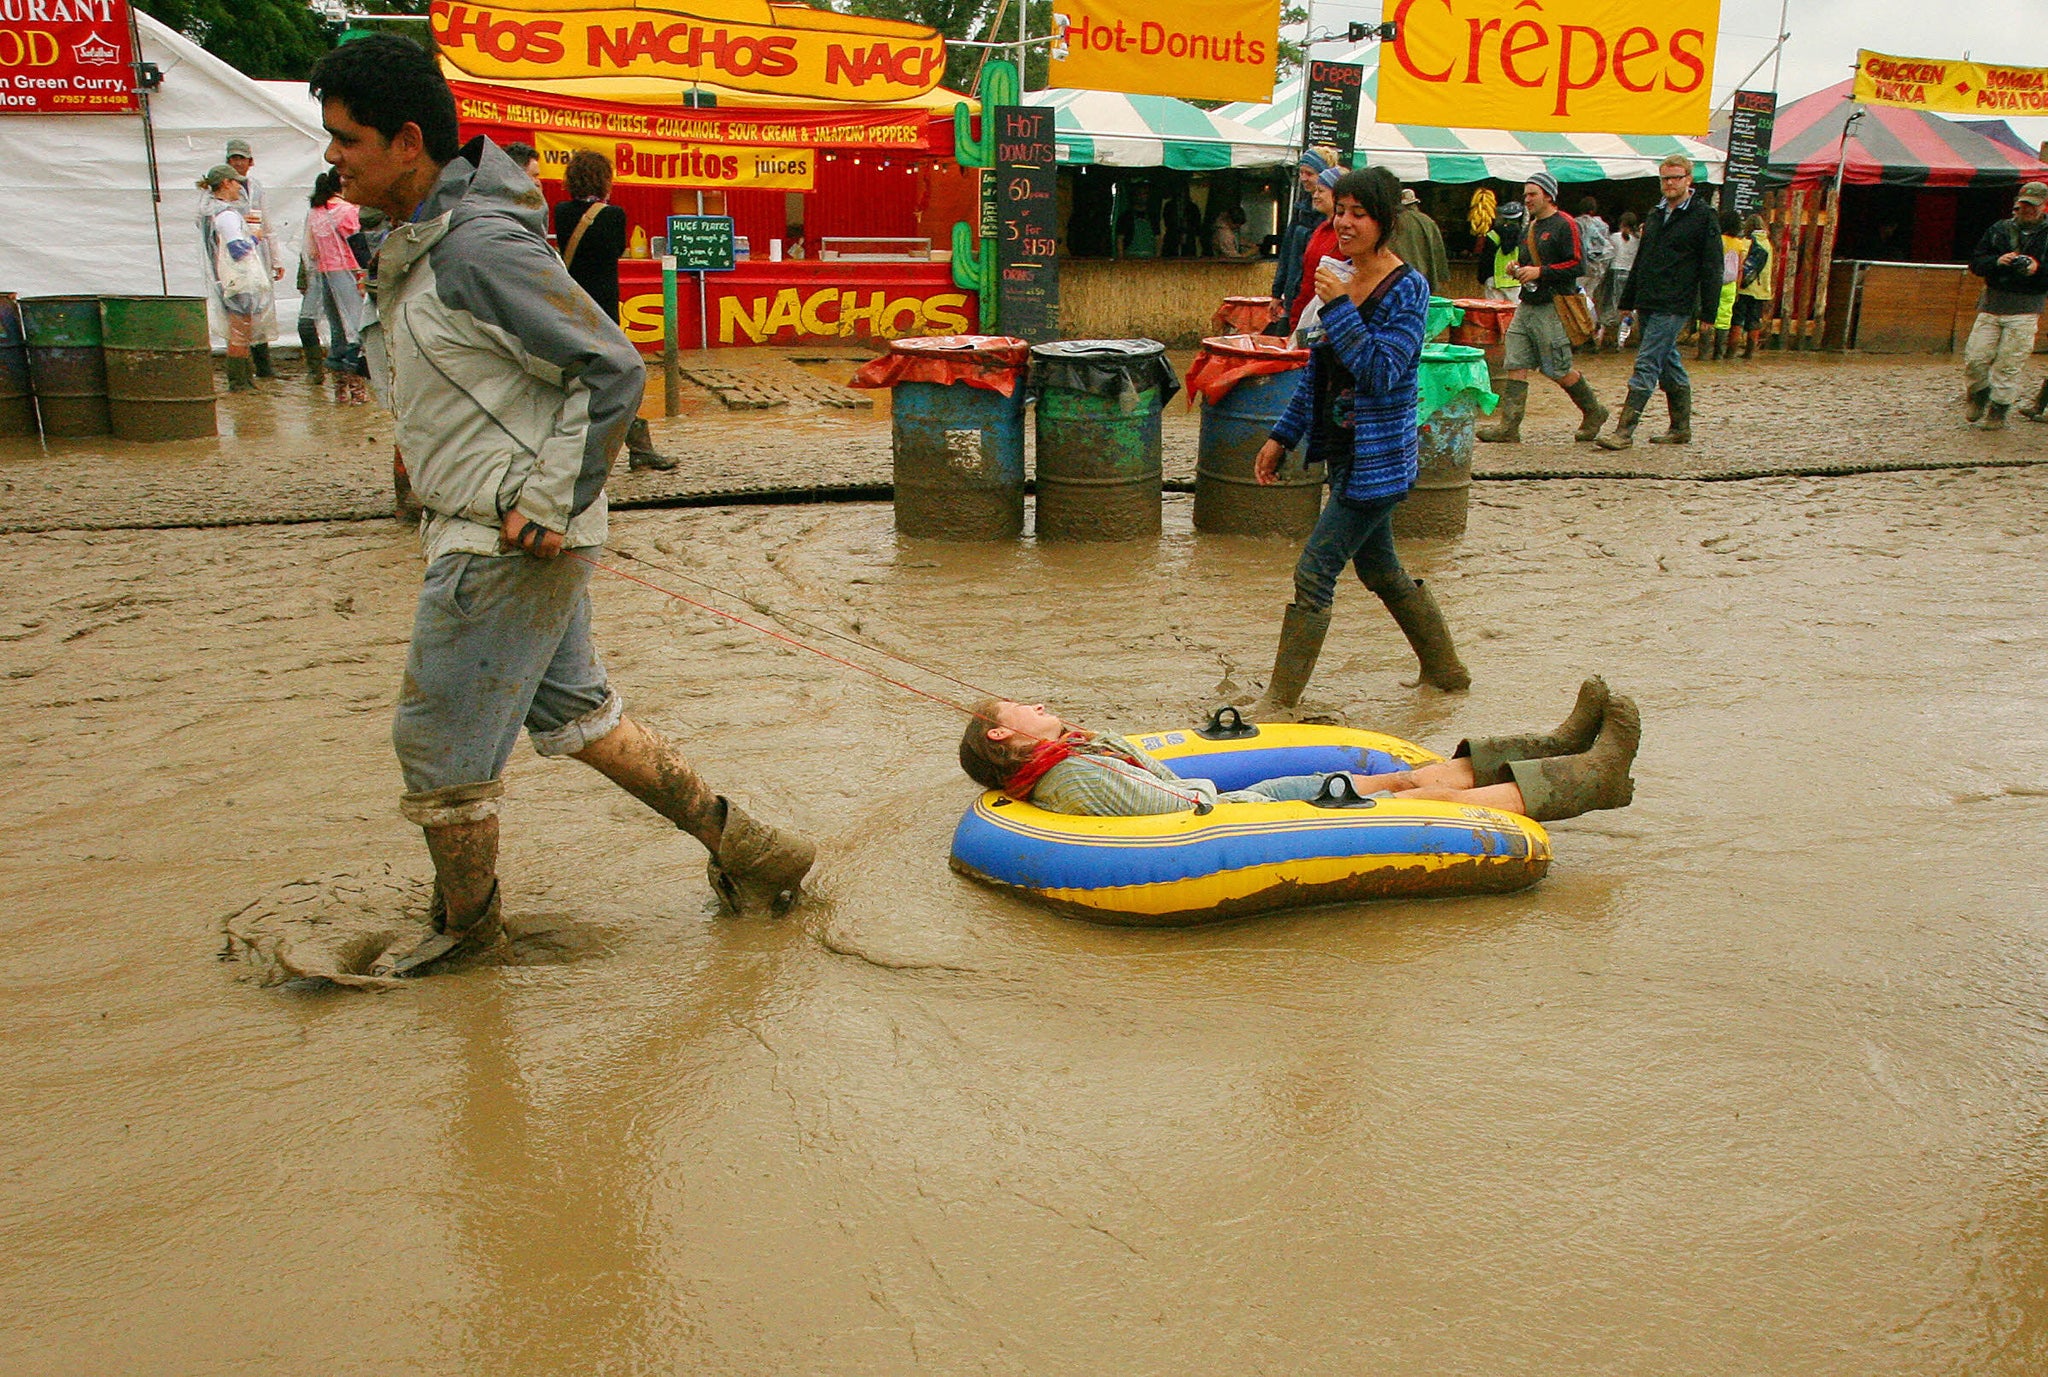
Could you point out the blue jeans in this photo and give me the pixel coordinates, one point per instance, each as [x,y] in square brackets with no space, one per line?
[1357,533]
[1657,353]
[498,643]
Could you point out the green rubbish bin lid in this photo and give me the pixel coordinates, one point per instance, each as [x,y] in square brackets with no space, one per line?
[1448,372]
[1451,353]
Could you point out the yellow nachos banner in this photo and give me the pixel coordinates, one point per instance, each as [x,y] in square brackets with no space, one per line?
[1954,88]
[658,162]
[1194,49]
[1616,66]
[746,45]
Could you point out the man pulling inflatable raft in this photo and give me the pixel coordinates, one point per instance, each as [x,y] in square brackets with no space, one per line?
[1179,827]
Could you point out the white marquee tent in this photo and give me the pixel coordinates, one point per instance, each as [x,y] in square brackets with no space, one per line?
[75,208]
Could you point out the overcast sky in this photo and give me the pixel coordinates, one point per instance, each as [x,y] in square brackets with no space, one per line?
[1827,33]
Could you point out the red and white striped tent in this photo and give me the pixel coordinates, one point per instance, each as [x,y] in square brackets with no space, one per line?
[1889,146]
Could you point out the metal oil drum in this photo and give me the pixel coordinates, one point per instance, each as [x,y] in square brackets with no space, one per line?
[66,364]
[159,359]
[1099,441]
[1229,499]
[17,394]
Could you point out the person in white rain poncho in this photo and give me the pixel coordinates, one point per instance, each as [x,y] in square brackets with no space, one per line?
[237,272]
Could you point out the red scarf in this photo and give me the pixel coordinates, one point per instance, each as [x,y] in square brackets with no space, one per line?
[1044,756]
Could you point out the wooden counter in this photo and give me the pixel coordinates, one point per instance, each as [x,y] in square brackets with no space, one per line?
[1905,308]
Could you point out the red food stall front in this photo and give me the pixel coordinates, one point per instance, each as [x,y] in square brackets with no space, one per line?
[862,192]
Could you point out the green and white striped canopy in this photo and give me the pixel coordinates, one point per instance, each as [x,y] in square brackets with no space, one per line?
[1110,130]
[1422,153]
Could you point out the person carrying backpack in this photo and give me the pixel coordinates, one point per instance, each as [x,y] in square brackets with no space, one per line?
[1754,287]
[1597,244]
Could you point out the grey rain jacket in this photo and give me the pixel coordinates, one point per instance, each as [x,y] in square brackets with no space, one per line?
[511,388]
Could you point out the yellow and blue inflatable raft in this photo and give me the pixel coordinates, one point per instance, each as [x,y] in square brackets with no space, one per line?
[1244,858]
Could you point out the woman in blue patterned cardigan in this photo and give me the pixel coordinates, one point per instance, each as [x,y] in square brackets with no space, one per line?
[1355,405]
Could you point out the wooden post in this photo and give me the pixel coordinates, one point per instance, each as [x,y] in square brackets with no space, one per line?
[671,371]
[1824,261]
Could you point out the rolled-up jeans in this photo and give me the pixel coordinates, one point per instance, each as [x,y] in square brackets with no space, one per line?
[1360,534]
[1657,361]
[498,643]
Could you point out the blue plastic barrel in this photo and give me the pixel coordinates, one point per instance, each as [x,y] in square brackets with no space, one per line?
[959,454]
[1228,498]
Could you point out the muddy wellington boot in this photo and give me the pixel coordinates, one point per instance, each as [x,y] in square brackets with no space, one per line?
[460,824]
[2038,410]
[1994,416]
[1507,417]
[1302,630]
[1974,403]
[757,867]
[1566,786]
[1415,611]
[1679,400]
[1592,415]
[259,355]
[240,379]
[313,354]
[1625,425]
[640,450]
[1490,755]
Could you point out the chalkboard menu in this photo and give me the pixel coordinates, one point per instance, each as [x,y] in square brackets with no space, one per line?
[1333,93]
[701,243]
[1020,202]
[1750,118]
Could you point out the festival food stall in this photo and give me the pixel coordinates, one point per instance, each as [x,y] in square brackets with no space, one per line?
[1917,192]
[824,137]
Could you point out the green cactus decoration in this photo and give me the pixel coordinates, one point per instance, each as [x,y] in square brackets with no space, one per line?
[974,269]
[999,86]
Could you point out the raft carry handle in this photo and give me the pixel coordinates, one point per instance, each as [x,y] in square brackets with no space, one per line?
[1339,792]
[1236,729]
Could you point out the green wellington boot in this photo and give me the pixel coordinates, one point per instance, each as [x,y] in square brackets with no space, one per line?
[1679,400]
[1507,417]
[1415,611]
[1566,786]
[1625,426]
[259,354]
[1490,755]
[1592,415]
[1302,630]
[239,377]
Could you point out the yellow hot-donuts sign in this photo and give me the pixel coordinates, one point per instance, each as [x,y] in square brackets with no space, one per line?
[658,162]
[747,45]
[1195,49]
[1617,66]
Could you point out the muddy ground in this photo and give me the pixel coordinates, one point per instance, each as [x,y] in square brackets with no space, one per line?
[1754,1081]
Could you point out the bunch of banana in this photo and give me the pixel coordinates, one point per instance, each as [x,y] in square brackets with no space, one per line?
[1480,216]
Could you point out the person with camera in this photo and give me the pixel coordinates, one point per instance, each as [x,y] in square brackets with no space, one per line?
[2012,258]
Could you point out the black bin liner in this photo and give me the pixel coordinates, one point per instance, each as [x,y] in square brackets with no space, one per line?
[1115,368]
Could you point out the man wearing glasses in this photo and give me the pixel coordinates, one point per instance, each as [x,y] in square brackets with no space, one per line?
[1548,265]
[1677,277]
[2012,258]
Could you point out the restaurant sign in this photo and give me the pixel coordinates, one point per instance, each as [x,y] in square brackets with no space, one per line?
[745,45]
[66,57]
[1194,49]
[1566,65]
[750,312]
[656,162]
[1954,88]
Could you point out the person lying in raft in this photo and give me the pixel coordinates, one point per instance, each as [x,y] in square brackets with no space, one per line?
[1582,766]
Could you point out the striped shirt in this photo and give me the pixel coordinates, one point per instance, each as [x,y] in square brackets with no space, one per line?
[1093,782]
[1385,358]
